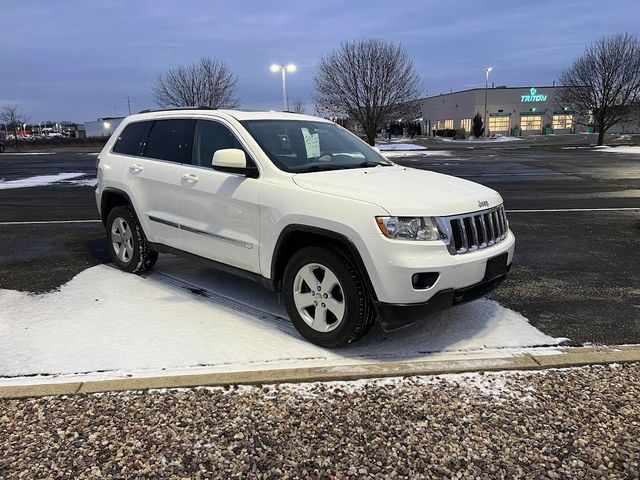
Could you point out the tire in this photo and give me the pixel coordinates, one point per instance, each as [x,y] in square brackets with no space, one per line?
[1,148]
[306,292]
[127,244]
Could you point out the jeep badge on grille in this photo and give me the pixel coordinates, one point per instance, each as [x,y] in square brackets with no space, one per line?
[483,203]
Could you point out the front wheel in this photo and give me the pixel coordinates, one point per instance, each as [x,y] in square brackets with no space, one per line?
[127,245]
[326,297]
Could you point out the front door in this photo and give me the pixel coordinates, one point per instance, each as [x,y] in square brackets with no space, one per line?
[220,216]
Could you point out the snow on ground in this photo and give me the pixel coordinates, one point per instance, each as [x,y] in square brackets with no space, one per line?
[417,153]
[608,149]
[38,181]
[184,317]
[489,140]
[83,182]
[385,147]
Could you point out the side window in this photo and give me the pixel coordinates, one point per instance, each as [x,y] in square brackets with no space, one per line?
[209,138]
[171,140]
[132,138]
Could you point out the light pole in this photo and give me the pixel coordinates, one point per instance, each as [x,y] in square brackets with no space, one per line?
[284,69]
[486,89]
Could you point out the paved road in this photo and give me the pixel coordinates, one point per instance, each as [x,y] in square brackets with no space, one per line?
[575,212]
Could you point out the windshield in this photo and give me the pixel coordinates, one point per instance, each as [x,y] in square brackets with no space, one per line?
[305,146]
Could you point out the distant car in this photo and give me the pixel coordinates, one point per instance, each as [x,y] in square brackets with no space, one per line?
[1,147]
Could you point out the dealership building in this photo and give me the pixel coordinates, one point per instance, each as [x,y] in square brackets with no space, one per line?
[521,110]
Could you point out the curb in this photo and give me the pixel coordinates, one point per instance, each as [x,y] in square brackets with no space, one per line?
[571,357]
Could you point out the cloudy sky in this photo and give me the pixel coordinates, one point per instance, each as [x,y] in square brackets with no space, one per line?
[71,60]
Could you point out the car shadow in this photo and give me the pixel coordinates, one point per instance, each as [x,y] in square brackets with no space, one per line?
[479,325]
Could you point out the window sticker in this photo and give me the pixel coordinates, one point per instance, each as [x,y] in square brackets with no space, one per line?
[311,142]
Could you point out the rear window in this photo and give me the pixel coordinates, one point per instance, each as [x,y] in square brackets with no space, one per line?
[132,138]
[171,140]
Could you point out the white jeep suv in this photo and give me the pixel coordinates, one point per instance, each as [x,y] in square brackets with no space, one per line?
[305,207]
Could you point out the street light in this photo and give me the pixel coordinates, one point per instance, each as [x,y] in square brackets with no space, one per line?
[284,69]
[486,88]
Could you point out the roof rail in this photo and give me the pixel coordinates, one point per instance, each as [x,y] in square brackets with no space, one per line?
[176,108]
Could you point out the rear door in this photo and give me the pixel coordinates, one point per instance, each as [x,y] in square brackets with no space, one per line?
[219,211]
[155,179]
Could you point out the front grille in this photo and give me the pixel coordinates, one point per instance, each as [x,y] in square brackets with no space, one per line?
[475,231]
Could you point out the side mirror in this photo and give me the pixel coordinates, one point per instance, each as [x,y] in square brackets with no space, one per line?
[233,160]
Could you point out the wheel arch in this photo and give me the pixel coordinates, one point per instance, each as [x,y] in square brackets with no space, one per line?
[113,197]
[295,236]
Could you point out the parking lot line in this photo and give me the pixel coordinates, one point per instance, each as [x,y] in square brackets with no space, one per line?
[613,209]
[49,222]
[537,210]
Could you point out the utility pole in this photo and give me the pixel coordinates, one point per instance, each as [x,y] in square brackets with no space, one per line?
[129,104]
[486,89]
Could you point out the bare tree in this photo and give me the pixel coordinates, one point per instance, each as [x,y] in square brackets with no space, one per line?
[369,80]
[10,115]
[298,106]
[603,84]
[207,83]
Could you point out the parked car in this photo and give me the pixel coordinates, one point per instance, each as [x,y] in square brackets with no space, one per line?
[306,208]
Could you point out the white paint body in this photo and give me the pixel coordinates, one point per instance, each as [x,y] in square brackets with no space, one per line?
[253,212]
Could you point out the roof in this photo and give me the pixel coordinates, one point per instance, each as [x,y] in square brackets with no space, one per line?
[481,89]
[236,114]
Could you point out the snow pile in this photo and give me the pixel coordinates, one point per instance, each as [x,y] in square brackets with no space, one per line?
[185,316]
[38,181]
[605,148]
[385,147]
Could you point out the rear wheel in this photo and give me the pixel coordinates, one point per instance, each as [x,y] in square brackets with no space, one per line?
[1,148]
[127,245]
[326,297]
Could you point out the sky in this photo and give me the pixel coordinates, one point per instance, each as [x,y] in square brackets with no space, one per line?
[79,60]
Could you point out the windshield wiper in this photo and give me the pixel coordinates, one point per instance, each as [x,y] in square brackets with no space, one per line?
[321,168]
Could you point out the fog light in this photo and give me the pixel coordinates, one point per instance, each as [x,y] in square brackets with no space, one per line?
[422,281]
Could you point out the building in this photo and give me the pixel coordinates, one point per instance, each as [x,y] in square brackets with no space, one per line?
[103,127]
[511,110]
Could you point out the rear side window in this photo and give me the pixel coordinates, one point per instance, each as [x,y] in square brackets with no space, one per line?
[132,138]
[208,139]
[171,140]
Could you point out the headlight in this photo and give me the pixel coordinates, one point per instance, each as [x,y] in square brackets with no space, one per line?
[409,228]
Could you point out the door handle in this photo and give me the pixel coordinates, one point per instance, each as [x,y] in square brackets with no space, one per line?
[136,167]
[190,177]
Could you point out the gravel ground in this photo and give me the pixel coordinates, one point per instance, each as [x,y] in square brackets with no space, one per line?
[575,423]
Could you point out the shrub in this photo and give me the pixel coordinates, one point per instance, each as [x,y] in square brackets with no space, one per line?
[461,133]
[477,126]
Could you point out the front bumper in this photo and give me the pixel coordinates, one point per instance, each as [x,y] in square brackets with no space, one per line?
[396,315]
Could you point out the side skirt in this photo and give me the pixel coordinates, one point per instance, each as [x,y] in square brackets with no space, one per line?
[256,277]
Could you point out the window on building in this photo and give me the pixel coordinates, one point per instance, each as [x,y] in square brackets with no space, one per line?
[171,140]
[132,138]
[562,122]
[499,124]
[466,124]
[448,124]
[531,122]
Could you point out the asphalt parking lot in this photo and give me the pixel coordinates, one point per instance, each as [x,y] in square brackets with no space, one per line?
[575,212]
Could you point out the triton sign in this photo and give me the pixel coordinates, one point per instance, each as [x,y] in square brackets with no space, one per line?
[533,97]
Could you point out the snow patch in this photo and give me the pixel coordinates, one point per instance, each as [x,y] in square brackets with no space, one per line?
[38,181]
[185,318]
[83,182]
[417,153]
[399,146]
[608,149]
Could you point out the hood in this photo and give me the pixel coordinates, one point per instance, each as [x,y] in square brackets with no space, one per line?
[403,191]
